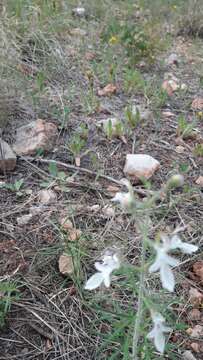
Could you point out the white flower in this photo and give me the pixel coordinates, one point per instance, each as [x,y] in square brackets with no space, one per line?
[125,199]
[157,333]
[108,265]
[164,262]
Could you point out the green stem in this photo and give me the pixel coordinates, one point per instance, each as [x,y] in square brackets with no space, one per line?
[136,333]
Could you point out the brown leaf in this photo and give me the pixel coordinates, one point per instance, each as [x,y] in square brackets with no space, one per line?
[194,315]
[197,103]
[196,297]
[107,90]
[74,234]
[198,269]
[66,264]
[199,181]
[170,86]
[195,332]
[66,223]
[89,56]
[195,347]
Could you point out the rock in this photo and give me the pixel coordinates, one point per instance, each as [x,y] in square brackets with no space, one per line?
[187,355]
[194,315]
[24,219]
[107,90]
[195,297]
[47,196]
[172,59]
[180,149]
[79,11]
[199,181]
[139,166]
[7,157]
[38,134]
[108,211]
[197,103]
[195,332]
[66,266]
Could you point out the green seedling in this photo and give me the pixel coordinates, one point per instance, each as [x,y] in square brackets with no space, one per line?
[184,129]
[77,143]
[132,116]
[198,150]
[133,81]
[15,187]
[8,294]
[113,128]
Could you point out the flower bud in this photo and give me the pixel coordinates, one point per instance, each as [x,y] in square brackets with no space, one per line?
[175,181]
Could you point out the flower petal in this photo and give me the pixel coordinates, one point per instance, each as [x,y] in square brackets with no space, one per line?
[159,341]
[107,279]
[167,277]
[94,281]
[151,334]
[99,266]
[171,261]
[187,248]
[156,265]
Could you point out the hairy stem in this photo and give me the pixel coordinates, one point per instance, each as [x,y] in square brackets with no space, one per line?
[136,333]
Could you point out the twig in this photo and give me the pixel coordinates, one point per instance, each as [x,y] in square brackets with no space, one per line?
[82,170]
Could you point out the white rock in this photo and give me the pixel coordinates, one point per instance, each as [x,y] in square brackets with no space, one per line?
[39,134]
[172,59]
[108,211]
[187,355]
[79,11]
[47,196]
[140,166]
[24,219]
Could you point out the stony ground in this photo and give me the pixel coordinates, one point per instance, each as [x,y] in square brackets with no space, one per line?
[56,73]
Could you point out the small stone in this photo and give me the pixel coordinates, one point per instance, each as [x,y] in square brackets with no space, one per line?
[194,315]
[79,11]
[24,219]
[108,211]
[94,208]
[172,59]
[139,166]
[66,266]
[78,32]
[47,196]
[168,113]
[199,181]
[66,223]
[180,149]
[187,355]
[197,103]
[7,157]
[38,134]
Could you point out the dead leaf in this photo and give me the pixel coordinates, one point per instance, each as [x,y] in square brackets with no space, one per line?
[112,189]
[195,347]
[194,315]
[197,103]
[66,264]
[107,90]
[198,269]
[170,86]
[89,56]
[195,332]
[74,234]
[196,297]
[199,181]
[66,223]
